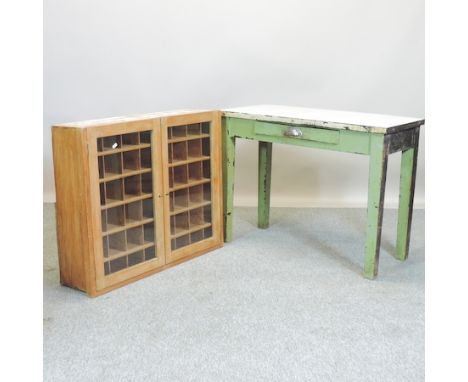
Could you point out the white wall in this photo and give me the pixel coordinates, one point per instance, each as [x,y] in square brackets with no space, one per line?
[115,57]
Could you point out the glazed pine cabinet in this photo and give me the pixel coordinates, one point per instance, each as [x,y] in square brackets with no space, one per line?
[135,195]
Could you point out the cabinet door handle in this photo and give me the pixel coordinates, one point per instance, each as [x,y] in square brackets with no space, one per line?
[293,132]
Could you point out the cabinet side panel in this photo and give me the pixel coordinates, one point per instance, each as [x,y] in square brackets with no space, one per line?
[218,219]
[70,170]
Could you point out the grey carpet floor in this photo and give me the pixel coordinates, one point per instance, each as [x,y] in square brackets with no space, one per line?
[284,304]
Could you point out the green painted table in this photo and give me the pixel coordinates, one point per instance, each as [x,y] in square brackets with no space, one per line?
[368,134]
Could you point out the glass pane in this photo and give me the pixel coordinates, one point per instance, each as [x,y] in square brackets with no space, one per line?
[190,183]
[127,203]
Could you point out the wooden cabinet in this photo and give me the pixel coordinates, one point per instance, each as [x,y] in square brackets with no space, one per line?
[135,195]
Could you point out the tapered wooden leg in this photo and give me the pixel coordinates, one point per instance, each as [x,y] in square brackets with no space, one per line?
[264,183]
[229,159]
[405,211]
[375,203]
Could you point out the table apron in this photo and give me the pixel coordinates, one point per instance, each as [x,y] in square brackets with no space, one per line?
[403,140]
[349,141]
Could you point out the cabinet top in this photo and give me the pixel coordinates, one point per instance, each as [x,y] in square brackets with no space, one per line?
[332,119]
[125,119]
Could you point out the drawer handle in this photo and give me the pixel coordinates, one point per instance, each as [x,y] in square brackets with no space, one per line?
[293,132]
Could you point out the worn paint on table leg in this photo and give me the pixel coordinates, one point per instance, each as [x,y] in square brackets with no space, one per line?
[405,209]
[264,183]
[229,154]
[375,203]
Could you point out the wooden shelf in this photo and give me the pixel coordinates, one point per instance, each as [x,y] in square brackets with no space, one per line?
[113,228]
[190,184]
[189,160]
[125,174]
[181,232]
[132,247]
[188,138]
[116,254]
[128,199]
[191,206]
[123,148]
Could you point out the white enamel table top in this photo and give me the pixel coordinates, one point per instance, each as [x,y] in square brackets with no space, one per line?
[125,119]
[331,119]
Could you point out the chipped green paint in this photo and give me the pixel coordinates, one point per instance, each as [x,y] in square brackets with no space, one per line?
[375,202]
[405,209]
[347,141]
[229,154]
[377,145]
[264,183]
[306,133]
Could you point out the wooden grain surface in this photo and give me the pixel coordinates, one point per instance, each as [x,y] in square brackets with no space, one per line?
[72,207]
[78,197]
[125,119]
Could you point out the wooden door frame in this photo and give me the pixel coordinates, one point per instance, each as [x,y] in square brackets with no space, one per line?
[191,250]
[101,281]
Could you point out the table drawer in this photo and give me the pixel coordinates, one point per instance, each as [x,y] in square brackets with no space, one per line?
[297,132]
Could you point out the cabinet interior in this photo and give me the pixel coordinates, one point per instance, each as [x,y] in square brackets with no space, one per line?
[126,196]
[126,193]
[189,183]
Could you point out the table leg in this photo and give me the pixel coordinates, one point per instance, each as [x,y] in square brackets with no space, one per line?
[375,203]
[264,183]
[229,159]
[405,210]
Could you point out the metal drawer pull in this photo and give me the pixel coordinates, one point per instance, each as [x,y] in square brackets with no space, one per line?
[293,132]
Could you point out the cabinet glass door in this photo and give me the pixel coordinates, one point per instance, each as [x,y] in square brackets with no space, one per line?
[189,183]
[189,173]
[128,205]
